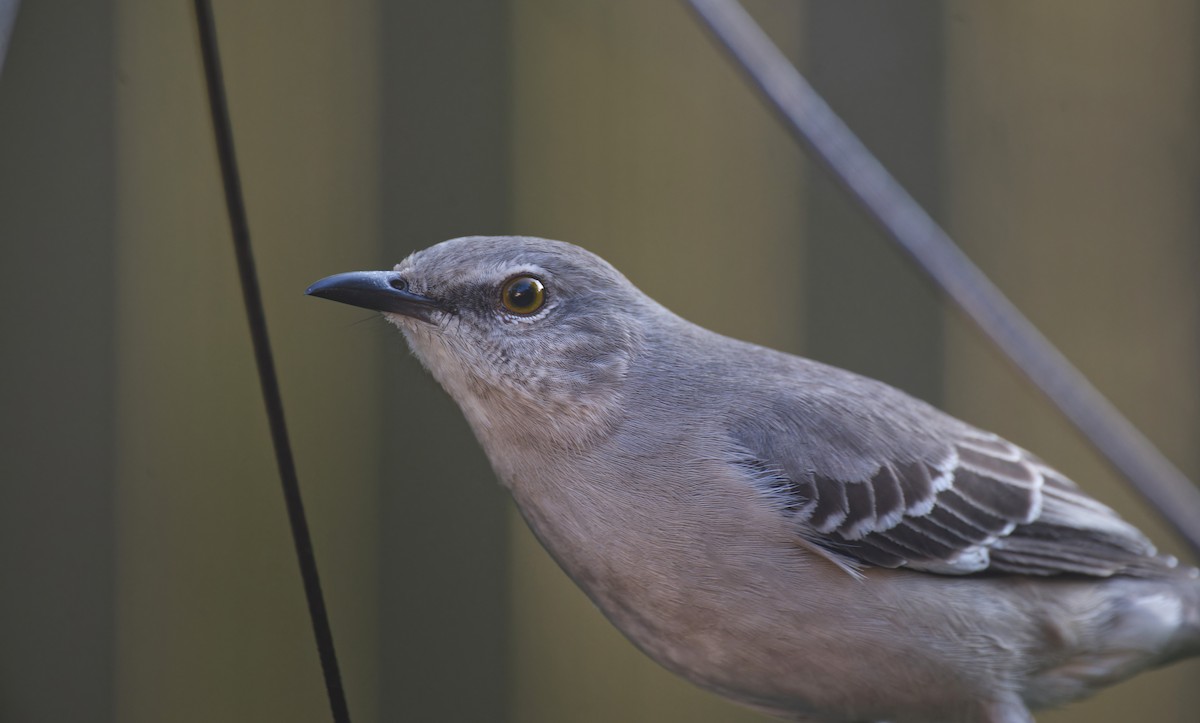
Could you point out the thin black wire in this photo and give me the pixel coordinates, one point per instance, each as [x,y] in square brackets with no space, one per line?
[257,319]
[816,126]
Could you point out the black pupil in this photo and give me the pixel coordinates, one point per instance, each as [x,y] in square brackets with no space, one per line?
[523,293]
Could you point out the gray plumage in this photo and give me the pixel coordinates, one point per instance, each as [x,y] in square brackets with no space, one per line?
[795,537]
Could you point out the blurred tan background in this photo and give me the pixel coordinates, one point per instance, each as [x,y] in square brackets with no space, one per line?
[146,566]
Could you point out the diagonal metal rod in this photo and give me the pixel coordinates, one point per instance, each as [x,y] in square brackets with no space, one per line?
[832,143]
[256,316]
[8,18]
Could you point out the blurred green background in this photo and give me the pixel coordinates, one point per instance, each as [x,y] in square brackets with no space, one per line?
[146,566]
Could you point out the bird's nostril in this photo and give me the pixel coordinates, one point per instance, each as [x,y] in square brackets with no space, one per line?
[398,283]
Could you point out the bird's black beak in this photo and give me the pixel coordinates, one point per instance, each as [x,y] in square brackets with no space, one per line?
[378,290]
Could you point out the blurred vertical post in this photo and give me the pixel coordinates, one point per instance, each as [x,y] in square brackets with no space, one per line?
[1073,169]
[210,616]
[56,370]
[633,137]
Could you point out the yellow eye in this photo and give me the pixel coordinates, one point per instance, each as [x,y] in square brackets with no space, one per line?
[523,295]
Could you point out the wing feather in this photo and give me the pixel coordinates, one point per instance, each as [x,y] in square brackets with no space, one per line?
[889,498]
[965,501]
[860,502]
[830,506]
[917,483]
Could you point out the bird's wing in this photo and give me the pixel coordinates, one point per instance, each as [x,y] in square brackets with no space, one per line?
[877,477]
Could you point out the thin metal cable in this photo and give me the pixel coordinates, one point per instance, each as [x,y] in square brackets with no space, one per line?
[832,143]
[252,296]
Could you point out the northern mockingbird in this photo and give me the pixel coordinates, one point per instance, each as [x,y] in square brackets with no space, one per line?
[798,538]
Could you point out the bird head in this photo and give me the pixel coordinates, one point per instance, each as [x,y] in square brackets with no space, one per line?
[524,333]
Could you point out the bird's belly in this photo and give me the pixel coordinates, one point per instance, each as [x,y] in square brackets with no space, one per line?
[751,619]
